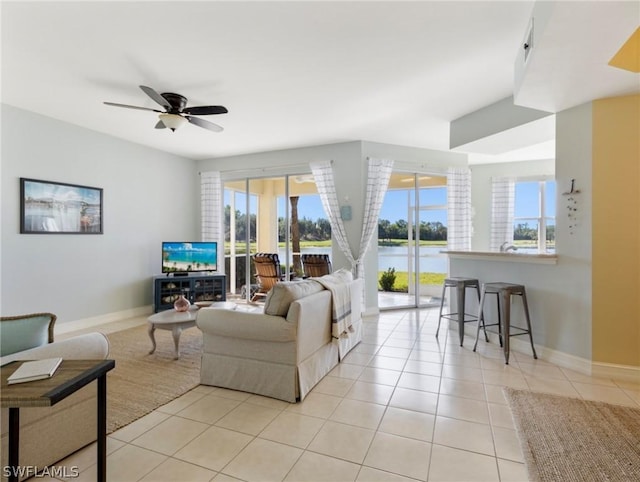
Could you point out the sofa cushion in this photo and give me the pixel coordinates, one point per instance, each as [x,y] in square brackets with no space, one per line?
[88,346]
[284,293]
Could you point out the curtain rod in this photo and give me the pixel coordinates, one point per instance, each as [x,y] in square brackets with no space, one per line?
[420,168]
[265,169]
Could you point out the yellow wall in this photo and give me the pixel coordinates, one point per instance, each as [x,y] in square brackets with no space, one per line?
[616,231]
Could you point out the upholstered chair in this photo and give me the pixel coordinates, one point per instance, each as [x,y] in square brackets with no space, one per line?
[49,434]
[22,332]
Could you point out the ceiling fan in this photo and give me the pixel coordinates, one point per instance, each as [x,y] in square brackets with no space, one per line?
[176,112]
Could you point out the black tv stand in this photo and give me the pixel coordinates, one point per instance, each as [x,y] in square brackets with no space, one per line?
[179,273]
[195,287]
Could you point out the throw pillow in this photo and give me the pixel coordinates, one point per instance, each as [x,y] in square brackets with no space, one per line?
[284,293]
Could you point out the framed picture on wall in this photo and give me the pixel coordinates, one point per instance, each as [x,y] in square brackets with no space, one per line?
[48,207]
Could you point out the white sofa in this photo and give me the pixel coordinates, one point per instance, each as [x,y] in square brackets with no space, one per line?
[285,350]
[50,434]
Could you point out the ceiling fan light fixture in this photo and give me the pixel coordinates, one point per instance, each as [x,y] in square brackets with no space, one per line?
[172,121]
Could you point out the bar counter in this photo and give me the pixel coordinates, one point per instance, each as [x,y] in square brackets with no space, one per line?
[509,256]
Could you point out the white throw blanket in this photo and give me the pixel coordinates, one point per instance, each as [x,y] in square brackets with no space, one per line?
[340,289]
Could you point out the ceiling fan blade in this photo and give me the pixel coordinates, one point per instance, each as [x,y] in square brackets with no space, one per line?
[205,124]
[160,125]
[206,110]
[131,106]
[155,96]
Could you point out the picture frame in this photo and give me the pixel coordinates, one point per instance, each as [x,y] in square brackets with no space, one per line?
[50,207]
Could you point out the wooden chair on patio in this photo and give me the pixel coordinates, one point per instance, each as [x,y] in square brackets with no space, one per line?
[267,271]
[315,264]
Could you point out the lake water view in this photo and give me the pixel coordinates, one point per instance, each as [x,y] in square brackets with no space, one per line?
[431,260]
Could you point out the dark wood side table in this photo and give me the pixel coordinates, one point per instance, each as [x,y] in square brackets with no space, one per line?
[70,376]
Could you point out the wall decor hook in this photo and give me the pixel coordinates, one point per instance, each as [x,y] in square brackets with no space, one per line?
[573,190]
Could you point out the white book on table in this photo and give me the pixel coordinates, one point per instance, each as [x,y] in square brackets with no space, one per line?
[35,370]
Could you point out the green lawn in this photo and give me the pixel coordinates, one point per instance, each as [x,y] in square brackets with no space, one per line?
[402,280]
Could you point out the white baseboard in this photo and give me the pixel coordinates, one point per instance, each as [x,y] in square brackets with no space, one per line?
[371,312]
[562,359]
[619,372]
[71,326]
[565,360]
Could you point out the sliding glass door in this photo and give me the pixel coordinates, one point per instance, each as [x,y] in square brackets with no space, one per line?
[240,225]
[303,226]
[280,215]
[412,231]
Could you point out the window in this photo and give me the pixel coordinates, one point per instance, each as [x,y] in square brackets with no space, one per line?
[259,217]
[534,221]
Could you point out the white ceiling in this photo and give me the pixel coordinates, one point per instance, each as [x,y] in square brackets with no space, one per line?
[291,73]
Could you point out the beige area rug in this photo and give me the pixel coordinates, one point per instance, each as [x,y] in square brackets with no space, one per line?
[567,439]
[140,382]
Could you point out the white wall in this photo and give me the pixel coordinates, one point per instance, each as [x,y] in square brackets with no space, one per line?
[414,157]
[573,161]
[149,196]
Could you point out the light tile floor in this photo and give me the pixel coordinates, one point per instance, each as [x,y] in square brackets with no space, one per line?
[403,406]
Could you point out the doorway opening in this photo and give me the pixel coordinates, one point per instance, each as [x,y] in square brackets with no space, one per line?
[412,232]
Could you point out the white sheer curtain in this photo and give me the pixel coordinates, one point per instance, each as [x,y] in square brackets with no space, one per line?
[458,209]
[323,175]
[502,211]
[211,206]
[378,174]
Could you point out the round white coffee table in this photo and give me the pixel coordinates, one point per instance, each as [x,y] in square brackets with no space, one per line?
[177,321]
[220,305]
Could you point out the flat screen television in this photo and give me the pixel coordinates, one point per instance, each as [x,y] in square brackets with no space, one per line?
[189,257]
